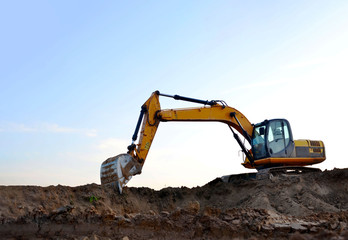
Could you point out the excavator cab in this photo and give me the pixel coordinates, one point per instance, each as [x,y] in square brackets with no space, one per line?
[272,138]
[272,145]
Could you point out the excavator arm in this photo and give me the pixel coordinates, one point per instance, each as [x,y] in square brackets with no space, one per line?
[119,170]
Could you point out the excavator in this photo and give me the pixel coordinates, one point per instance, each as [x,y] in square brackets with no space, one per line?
[273,150]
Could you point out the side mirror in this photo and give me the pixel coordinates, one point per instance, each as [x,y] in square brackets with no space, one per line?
[262,131]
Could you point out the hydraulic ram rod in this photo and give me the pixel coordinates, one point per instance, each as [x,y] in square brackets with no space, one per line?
[177,97]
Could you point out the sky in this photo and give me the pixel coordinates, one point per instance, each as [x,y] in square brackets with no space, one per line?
[74,74]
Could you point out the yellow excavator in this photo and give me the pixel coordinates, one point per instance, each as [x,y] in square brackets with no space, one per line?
[273,150]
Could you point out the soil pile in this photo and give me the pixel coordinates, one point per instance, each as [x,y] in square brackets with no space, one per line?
[308,206]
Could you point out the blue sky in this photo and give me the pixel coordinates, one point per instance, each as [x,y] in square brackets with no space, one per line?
[74,74]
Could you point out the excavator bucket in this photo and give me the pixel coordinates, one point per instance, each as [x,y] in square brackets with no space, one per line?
[118,170]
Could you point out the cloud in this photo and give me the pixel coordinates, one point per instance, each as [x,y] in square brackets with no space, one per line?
[91,133]
[110,147]
[45,128]
[257,85]
[57,129]
[307,63]
[16,127]
[112,144]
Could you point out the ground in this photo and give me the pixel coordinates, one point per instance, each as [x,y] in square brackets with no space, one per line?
[308,206]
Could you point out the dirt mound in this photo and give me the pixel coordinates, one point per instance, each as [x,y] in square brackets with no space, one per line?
[309,206]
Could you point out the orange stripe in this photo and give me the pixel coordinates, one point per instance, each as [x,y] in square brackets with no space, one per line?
[286,161]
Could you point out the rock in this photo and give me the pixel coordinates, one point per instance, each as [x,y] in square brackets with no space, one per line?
[152,213]
[298,227]
[267,228]
[63,209]
[283,227]
[343,225]
[109,217]
[176,213]
[236,222]
[164,214]
[94,237]
[280,209]
[193,207]
[333,225]
[131,215]
[211,211]
[121,221]
[298,236]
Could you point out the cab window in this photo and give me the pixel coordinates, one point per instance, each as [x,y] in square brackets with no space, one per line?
[258,142]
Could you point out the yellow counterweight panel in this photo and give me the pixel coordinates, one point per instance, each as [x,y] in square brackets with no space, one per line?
[309,148]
